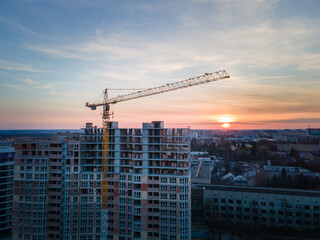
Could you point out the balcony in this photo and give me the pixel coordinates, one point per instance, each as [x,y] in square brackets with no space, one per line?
[54,178]
[54,224]
[54,193]
[54,216]
[55,164]
[51,185]
[50,208]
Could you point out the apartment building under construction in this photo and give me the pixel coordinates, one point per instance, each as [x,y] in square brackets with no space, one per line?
[149,180]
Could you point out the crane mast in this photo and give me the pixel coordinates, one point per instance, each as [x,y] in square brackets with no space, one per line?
[206,78]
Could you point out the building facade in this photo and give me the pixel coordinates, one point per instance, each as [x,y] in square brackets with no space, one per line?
[39,187]
[6,187]
[149,180]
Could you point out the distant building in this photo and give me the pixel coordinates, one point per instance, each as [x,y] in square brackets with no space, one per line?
[273,168]
[313,148]
[6,187]
[313,132]
[228,178]
[201,171]
[270,207]
[240,180]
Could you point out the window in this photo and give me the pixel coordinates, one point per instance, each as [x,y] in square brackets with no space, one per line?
[173,213]
[184,222]
[173,221]
[136,226]
[173,180]
[184,180]
[184,197]
[184,188]
[163,228]
[137,178]
[164,212]
[163,237]
[173,196]
[173,229]
[137,210]
[163,196]
[184,214]
[137,194]
[164,220]
[173,204]
[184,205]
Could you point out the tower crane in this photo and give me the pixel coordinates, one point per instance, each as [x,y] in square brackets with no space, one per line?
[206,78]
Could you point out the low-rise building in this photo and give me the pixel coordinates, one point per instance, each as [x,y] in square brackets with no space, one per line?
[289,208]
[201,171]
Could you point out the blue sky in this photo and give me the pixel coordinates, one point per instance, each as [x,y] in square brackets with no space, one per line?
[57,55]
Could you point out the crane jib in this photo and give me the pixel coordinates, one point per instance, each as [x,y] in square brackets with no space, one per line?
[206,78]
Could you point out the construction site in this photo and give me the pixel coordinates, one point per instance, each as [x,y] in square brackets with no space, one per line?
[109,182]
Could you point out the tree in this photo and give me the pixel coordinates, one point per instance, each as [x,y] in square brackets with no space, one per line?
[242,155]
[262,153]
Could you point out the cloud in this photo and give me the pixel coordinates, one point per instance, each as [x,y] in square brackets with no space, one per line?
[15,86]
[66,93]
[30,85]
[294,120]
[28,80]
[43,86]
[24,29]
[18,67]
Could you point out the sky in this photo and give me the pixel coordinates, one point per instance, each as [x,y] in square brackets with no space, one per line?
[56,55]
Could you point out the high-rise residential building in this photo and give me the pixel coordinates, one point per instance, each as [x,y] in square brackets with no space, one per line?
[39,186]
[58,185]
[149,180]
[6,187]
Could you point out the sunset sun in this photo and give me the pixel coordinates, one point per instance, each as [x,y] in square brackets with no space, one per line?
[225,120]
[226,125]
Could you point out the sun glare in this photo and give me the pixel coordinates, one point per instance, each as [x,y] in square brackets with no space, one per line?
[225,119]
[226,125]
